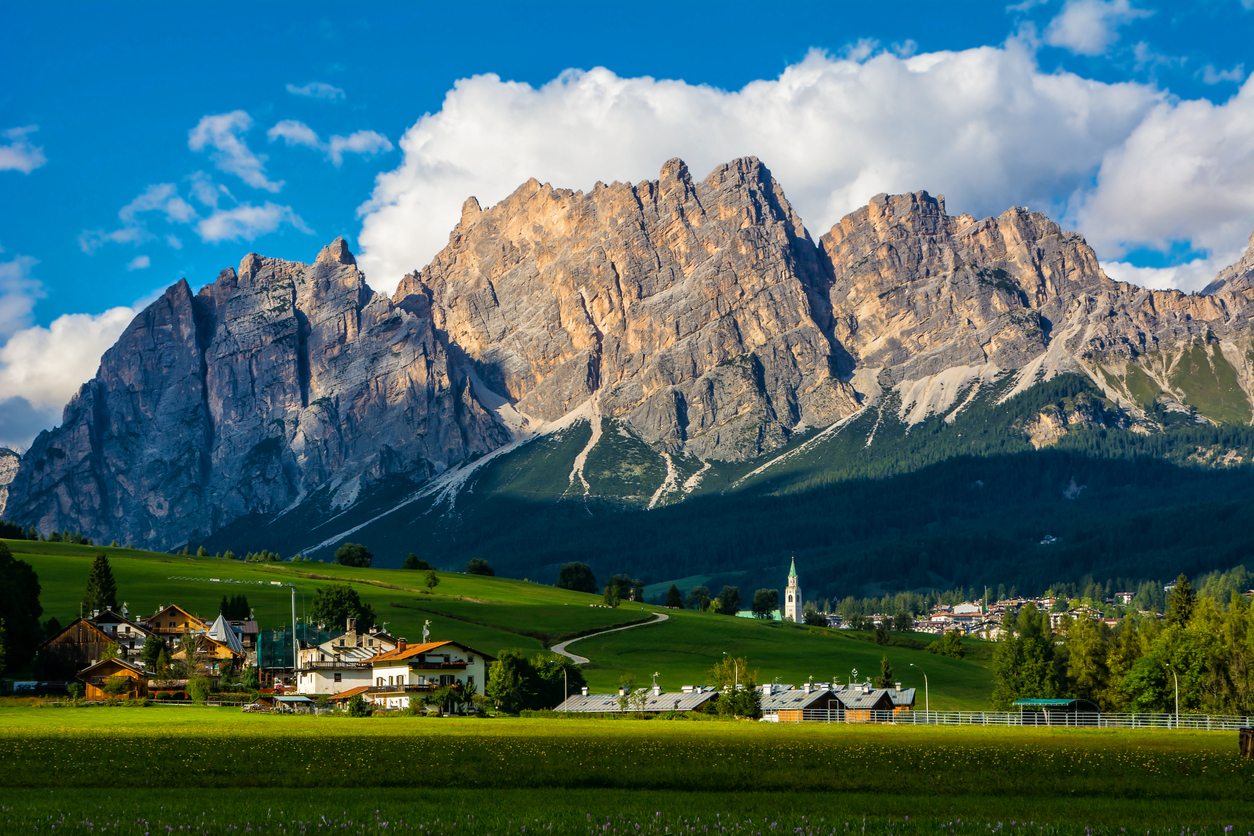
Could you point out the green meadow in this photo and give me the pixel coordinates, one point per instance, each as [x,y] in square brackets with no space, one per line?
[133,770]
[492,614]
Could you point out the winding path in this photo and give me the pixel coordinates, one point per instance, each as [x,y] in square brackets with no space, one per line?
[560,648]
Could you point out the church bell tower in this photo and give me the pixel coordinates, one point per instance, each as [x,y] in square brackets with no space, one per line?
[792,597]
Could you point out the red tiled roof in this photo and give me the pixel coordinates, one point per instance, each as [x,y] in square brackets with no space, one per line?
[351,692]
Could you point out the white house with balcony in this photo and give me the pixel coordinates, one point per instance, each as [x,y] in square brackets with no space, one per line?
[419,669]
[343,662]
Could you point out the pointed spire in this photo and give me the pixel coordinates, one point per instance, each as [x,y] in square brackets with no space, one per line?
[792,573]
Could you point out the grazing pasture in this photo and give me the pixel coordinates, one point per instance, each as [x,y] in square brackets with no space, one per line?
[213,769]
[493,613]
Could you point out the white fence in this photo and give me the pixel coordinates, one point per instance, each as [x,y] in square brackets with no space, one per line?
[1203,722]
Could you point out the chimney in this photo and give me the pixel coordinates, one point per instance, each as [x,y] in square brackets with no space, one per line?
[584,691]
[898,684]
[352,624]
[622,690]
[657,690]
[400,645]
[805,689]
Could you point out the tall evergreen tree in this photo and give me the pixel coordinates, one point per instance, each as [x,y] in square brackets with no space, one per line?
[102,590]
[674,598]
[1181,602]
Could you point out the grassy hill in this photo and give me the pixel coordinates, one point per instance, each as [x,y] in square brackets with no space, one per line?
[492,614]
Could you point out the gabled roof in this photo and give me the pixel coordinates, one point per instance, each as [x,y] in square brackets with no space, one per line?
[222,633]
[793,699]
[856,699]
[608,703]
[119,662]
[903,697]
[167,609]
[410,651]
[101,635]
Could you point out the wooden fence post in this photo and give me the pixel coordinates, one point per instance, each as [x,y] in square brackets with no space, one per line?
[1247,743]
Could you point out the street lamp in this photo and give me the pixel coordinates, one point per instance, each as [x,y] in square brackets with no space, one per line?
[1177,680]
[927,701]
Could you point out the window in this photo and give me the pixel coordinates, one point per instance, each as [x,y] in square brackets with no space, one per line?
[337,677]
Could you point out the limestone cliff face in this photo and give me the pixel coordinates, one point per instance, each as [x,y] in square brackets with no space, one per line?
[9,461]
[916,293]
[275,381]
[699,315]
[683,308]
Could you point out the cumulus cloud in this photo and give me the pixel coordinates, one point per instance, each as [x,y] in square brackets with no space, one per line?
[19,154]
[1091,27]
[139,262]
[224,133]
[246,222]
[985,127]
[19,291]
[41,368]
[317,90]
[366,143]
[1184,174]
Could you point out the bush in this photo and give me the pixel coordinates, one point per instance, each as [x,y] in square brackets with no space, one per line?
[359,707]
[198,688]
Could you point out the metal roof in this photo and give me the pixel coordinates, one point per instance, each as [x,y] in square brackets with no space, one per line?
[222,633]
[792,699]
[608,703]
[856,699]
[903,697]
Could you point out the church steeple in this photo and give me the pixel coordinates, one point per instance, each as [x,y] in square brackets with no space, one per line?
[792,596]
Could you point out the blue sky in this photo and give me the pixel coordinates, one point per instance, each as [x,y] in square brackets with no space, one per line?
[142,145]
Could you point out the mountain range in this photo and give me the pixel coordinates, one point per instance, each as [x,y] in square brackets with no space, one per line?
[637,353]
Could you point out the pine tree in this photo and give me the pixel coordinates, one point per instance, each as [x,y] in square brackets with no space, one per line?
[886,674]
[1181,602]
[102,590]
[674,598]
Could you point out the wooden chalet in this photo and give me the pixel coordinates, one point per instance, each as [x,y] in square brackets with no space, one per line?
[76,647]
[789,705]
[174,621]
[97,676]
[865,704]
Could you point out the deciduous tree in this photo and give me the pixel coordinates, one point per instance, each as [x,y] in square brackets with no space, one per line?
[353,554]
[334,605]
[577,577]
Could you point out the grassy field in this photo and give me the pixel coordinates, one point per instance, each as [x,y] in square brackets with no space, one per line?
[492,614]
[210,770]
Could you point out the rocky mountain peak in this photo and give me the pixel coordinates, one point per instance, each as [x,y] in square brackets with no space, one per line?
[336,253]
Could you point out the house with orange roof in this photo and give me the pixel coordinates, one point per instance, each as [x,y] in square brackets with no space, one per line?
[417,669]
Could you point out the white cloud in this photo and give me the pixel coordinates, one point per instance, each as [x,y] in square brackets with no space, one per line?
[90,240]
[19,154]
[1185,174]
[1212,76]
[47,365]
[293,132]
[162,197]
[316,90]
[224,133]
[19,291]
[174,242]
[246,222]
[985,127]
[139,262]
[207,192]
[366,143]
[159,197]
[1191,276]
[1091,27]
